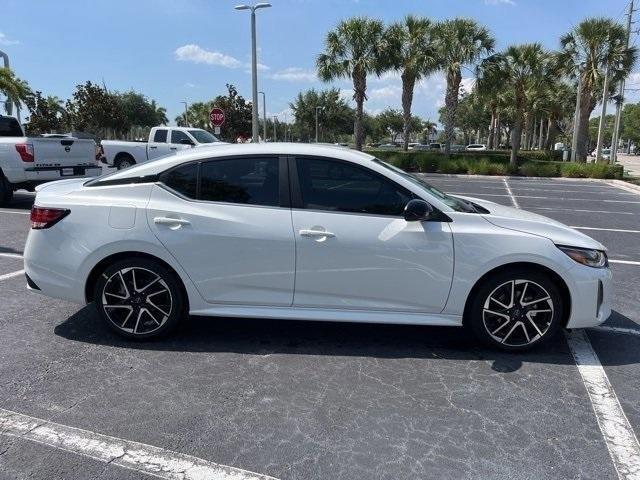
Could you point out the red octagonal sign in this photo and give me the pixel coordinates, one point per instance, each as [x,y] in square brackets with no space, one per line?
[216,116]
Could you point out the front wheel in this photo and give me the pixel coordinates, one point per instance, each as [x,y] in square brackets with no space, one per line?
[125,161]
[516,310]
[140,298]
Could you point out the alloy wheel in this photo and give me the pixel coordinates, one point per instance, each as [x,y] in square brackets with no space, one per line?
[137,300]
[518,313]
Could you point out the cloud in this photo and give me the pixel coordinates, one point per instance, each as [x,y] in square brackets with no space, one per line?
[6,41]
[386,92]
[190,85]
[499,2]
[196,54]
[294,74]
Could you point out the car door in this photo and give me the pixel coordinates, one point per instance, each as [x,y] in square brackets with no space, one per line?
[227,221]
[159,146]
[178,137]
[353,247]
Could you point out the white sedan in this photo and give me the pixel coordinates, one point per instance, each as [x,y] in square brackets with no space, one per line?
[313,233]
[476,147]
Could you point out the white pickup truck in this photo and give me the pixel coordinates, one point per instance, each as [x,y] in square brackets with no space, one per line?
[29,161]
[162,141]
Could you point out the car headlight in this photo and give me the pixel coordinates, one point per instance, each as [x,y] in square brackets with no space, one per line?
[586,256]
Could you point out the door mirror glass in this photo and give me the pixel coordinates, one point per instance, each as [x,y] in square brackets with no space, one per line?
[417,210]
[186,141]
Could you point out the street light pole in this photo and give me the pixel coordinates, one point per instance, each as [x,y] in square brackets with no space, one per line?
[317,109]
[254,68]
[264,115]
[603,114]
[186,114]
[576,120]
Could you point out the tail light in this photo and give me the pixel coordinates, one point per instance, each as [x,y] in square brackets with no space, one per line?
[25,150]
[46,217]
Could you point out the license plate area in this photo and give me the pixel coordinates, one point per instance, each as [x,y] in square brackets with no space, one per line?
[71,171]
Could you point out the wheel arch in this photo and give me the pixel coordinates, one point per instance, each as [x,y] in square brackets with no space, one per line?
[555,277]
[122,155]
[102,264]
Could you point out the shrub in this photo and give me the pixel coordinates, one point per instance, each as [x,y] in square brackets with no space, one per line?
[539,169]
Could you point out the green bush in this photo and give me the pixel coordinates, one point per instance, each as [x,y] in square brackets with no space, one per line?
[590,170]
[539,169]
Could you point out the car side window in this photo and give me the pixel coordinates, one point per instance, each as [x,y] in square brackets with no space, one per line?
[183,179]
[160,136]
[253,181]
[178,136]
[342,187]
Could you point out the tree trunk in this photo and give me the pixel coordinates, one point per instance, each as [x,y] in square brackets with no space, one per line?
[528,130]
[587,104]
[492,129]
[359,88]
[408,83]
[552,134]
[451,106]
[516,135]
[498,132]
[540,134]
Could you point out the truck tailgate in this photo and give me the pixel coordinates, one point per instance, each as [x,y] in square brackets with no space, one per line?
[68,155]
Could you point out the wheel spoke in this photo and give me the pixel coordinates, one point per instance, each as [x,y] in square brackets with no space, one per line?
[501,327]
[126,289]
[504,340]
[534,324]
[152,282]
[140,312]
[153,316]
[526,333]
[526,304]
[524,291]
[157,308]
[493,312]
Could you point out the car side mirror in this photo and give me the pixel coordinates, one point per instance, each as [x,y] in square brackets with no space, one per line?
[186,141]
[417,210]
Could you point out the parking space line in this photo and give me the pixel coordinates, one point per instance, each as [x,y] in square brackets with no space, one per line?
[555,209]
[16,212]
[127,454]
[513,199]
[538,197]
[621,230]
[7,276]
[624,262]
[11,255]
[619,437]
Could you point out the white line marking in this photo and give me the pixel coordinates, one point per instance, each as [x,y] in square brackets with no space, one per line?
[624,262]
[6,276]
[629,331]
[578,210]
[17,212]
[619,437]
[513,199]
[11,255]
[537,197]
[116,451]
[606,229]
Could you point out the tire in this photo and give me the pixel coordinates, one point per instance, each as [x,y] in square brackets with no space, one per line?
[497,316]
[6,191]
[124,161]
[149,308]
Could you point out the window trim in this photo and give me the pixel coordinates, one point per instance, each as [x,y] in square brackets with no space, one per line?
[283,181]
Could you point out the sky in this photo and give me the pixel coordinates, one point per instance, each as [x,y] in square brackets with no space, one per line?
[187,50]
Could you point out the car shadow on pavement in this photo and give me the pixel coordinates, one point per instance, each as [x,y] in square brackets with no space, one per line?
[264,337]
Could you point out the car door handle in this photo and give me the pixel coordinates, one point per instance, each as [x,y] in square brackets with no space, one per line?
[172,222]
[316,233]
[173,148]
[153,147]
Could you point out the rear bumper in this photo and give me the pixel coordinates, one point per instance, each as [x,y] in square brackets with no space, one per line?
[36,175]
[591,293]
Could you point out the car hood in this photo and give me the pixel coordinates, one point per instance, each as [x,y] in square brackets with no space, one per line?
[524,221]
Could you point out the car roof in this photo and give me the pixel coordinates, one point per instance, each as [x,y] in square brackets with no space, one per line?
[231,149]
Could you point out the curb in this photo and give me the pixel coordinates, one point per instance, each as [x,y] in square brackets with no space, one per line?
[629,187]
[519,177]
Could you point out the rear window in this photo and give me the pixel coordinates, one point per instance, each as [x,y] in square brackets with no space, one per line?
[9,127]
[160,136]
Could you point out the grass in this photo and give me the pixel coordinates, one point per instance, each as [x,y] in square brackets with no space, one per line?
[530,164]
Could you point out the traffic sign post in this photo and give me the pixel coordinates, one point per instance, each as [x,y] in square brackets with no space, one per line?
[217,117]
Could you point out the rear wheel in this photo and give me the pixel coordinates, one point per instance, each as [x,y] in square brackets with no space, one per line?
[124,161]
[516,310]
[140,298]
[6,191]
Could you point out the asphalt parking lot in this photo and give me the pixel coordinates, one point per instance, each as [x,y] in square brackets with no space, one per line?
[305,400]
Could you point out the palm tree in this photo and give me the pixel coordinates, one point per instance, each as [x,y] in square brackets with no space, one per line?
[354,50]
[460,42]
[587,51]
[490,89]
[522,69]
[13,88]
[412,52]
[160,113]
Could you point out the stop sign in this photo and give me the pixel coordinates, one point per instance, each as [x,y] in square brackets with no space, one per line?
[216,116]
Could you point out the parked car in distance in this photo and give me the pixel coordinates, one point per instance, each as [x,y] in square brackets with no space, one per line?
[389,146]
[29,161]
[606,153]
[476,147]
[225,231]
[458,148]
[415,146]
[162,141]
[435,146]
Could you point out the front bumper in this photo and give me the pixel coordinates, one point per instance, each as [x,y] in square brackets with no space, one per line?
[591,293]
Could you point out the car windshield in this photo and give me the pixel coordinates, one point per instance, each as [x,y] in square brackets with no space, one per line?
[202,136]
[455,203]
